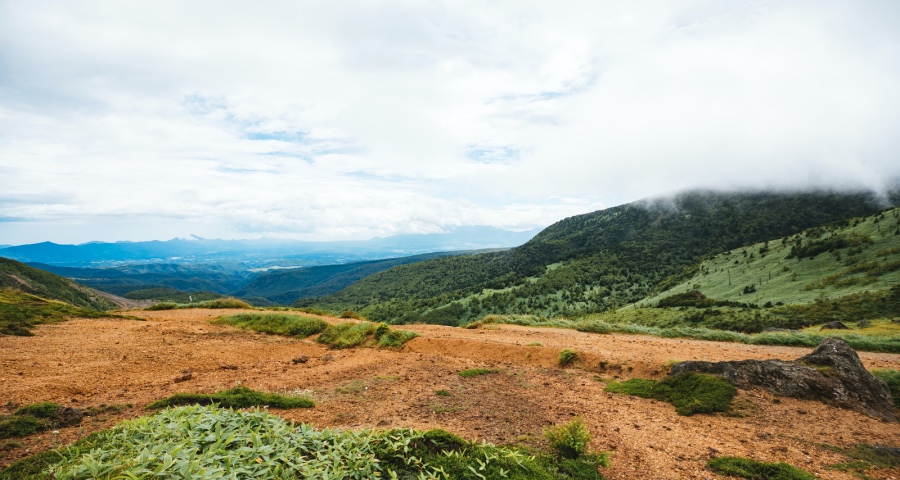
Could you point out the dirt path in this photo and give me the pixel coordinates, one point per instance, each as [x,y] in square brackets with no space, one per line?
[89,362]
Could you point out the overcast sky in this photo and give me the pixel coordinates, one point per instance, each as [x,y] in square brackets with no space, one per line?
[147,120]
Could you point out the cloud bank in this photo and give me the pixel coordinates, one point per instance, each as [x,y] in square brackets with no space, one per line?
[337,120]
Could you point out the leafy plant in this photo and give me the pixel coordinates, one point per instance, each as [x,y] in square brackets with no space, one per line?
[754,470]
[567,357]
[205,443]
[240,397]
[569,440]
[690,393]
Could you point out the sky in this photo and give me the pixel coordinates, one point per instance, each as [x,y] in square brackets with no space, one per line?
[323,120]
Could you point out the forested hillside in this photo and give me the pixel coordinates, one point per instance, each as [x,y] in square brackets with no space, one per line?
[286,285]
[18,276]
[592,262]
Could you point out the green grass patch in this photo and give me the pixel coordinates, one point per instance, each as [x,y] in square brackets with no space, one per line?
[690,393]
[203,442]
[751,469]
[892,379]
[163,306]
[476,372]
[567,357]
[35,418]
[240,397]
[275,323]
[20,312]
[366,334]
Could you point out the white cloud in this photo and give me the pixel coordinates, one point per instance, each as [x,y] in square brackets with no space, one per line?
[352,119]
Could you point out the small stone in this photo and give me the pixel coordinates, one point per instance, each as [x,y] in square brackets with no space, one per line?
[185,376]
[300,359]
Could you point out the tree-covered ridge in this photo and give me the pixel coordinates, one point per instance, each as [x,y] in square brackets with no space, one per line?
[592,262]
[18,276]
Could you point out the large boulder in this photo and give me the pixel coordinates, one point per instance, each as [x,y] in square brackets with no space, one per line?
[832,373]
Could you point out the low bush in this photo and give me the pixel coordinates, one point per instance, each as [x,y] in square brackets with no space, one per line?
[229,302]
[690,393]
[163,306]
[569,440]
[240,397]
[753,470]
[567,357]
[350,334]
[275,323]
[35,418]
[209,443]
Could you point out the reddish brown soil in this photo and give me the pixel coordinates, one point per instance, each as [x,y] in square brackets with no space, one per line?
[89,362]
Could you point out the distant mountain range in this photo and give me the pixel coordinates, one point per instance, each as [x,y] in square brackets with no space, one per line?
[263,253]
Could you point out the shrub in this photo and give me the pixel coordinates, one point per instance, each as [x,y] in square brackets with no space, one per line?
[567,357]
[275,323]
[396,338]
[240,397]
[475,372]
[229,302]
[751,469]
[21,426]
[569,440]
[349,335]
[351,314]
[690,393]
[40,410]
[163,306]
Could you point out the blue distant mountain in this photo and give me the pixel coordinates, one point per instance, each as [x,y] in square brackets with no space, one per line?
[263,253]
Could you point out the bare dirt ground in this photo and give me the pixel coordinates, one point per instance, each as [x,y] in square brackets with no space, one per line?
[89,362]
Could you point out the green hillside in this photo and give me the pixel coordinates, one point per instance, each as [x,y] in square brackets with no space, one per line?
[824,262]
[286,285]
[593,262]
[18,276]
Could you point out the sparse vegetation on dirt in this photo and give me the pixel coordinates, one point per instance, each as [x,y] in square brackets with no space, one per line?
[225,302]
[350,334]
[275,323]
[690,393]
[239,397]
[193,441]
[476,372]
[754,470]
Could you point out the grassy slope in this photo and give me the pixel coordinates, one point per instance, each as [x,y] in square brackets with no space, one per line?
[18,276]
[20,311]
[593,262]
[778,279]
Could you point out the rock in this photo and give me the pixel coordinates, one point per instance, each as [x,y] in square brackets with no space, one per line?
[835,325]
[301,359]
[228,367]
[328,357]
[185,376]
[832,373]
[68,416]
